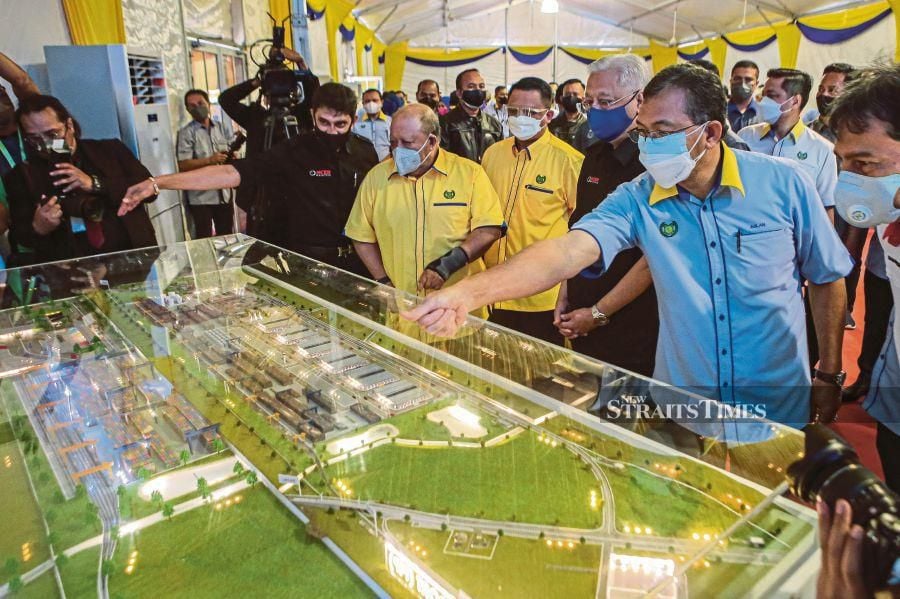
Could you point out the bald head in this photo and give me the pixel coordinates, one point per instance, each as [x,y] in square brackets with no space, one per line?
[418,116]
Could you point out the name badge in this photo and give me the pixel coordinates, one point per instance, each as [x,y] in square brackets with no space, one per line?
[77,224]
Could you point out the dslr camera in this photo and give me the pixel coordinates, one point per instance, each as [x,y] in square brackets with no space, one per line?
[73,204]
[830,470]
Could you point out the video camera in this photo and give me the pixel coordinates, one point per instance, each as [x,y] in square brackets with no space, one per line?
[278,82]
[830,470]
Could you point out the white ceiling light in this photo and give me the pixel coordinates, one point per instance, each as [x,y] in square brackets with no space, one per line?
[550,7]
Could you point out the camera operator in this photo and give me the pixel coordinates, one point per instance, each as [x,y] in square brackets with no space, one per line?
[252,118]
[63,199]
[313,179]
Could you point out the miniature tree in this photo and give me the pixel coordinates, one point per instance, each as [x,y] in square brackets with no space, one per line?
[168,510]
[11,566]
[143,474]
[184,457]
[252,478]
[15,585]
[61,560]
[203,487]
[156,496]
[238,468]
[106,567]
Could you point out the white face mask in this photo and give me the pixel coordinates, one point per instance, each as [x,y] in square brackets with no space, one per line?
[407,160]
[372,107]
[866,201]
[770,110]
[668,159]
[524,127]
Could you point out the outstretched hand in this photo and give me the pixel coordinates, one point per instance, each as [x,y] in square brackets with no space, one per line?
[442,313]
[136,194]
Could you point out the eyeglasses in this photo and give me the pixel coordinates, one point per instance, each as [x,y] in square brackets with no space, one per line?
[607,104]
[43,138]
[636,134]
[536,113]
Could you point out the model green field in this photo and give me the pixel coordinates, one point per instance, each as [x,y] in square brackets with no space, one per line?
[43,587]
[21,517]
[518,568]
[250,549]
[523,480]
[79,574]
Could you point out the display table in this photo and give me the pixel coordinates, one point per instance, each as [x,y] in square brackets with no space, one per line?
[226,418]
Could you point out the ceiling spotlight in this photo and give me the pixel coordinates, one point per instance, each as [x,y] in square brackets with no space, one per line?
[550,7]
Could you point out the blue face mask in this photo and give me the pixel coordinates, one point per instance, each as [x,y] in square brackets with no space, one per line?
[866,201]
[668,159]
[407,160]
[609,124]
[770,110]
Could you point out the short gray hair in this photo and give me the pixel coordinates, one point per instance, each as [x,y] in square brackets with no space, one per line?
[428,120]
[631,68]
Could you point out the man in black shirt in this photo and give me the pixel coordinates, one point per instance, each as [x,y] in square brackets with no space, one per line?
[313,177]
[467,130]
[64,199]
[613,317]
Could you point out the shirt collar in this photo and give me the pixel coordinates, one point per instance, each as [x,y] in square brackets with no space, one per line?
[378,117]
[440,165]
[796,132]
[535,145]
[730,177]
[753,105]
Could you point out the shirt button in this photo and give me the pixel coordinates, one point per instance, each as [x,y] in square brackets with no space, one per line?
[725,384]
[704,209]
[724,352]
[718,281]
[721,317]
[712,244]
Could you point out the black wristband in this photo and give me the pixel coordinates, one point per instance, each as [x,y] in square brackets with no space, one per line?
[449,263]
[384,281]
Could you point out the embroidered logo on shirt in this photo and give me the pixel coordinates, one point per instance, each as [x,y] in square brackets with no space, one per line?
[449,194]
[322,172]
[541,179]
[802,155]
[668,229]
[594,180]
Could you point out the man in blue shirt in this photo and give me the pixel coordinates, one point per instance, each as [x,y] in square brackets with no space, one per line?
[728,235]
[866,119]
[743,109]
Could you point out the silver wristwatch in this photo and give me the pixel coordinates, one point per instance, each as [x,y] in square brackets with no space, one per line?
[600,319]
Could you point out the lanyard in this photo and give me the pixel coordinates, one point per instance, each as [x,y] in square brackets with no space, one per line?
[6,154]
[11,163]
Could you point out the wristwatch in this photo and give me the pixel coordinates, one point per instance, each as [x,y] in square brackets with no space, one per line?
[827,377]
[96,184]
[600,319]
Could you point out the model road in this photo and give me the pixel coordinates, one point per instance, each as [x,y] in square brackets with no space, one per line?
[532,531]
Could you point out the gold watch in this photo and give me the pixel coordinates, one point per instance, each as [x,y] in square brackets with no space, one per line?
[600,319]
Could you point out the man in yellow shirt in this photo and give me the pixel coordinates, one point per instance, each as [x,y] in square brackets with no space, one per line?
[536,176]
[424,216]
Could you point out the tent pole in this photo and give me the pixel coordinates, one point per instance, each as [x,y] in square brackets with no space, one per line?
[555,42]
[506,48]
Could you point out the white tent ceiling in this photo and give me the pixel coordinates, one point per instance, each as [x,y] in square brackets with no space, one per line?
[595,23]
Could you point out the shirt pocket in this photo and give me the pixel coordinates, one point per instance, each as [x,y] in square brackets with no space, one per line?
[764,261]
[449,218]
[543,206]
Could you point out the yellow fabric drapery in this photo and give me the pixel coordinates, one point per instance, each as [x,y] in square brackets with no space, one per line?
[717,49]
[895,6]
[788,38]
[751,36]
[394,65]
[662,56]
[281,9]
[336,13]
[94,22]
[363,38]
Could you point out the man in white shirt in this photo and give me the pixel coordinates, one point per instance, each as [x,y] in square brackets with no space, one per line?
[373,124]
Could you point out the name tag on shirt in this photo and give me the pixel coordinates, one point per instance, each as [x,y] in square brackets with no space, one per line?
[77,224]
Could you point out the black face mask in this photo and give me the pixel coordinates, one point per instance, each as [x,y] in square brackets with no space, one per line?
[740,92]
[824,103]
[334,141]
[571,103]
[474,97]
[429,102]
